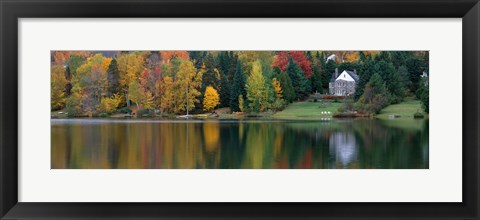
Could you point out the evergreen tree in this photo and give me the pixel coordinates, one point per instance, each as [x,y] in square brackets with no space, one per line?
[197,58]
[375,95]
[361,57]
[399,58]
[316,81]
[287,88]
[423,93]
[300,83]
[317,68]
[348,66]
[329,70]
[238,87]
[211,75]
[224,91]
[415,67]
[365,73]
[113,78]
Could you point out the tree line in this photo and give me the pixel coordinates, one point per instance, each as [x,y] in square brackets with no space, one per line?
[89,83]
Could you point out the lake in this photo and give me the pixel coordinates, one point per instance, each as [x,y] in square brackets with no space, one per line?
[239,144]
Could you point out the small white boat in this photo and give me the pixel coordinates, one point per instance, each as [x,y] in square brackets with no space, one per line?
[185,116]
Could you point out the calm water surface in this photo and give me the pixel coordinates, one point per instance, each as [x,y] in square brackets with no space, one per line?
[213,144]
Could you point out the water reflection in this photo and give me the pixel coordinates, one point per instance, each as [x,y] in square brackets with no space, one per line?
[343,147]
[133,144]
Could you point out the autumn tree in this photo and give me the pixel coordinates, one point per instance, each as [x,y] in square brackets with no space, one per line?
[60,57]
[89,86]
[167,99]
[211,99]
[281,60]
[142,98]
[255,88]
[57,87]
[187,86]
[130,66]
[168,55]
[277,88]
[110,104]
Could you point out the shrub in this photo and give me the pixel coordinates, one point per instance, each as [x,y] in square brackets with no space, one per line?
[418,115]
[125,110]
[278,105]
[110,104]
[333,97]
[103,115]
[144,112]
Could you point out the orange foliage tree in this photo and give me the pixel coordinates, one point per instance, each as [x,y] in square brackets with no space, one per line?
[167,56]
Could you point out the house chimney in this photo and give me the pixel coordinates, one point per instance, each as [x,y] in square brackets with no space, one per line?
[336,73]
[355,71]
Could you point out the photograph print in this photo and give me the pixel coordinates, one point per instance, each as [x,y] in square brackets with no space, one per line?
[239,109]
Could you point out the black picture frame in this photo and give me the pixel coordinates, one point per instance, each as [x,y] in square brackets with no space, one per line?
[12,10]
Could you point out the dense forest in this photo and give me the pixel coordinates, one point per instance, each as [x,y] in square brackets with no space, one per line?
[99,83]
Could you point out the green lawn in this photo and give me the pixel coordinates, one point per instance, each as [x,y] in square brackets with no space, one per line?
[405,110]
[308,110]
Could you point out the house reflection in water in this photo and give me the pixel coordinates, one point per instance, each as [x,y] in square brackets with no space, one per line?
[343,148]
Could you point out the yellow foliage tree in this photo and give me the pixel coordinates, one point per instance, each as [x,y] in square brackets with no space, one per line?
[130,66]
[110,104]
[186,86]
[167,98]
[57,85]
[142,98]
[241,103]
[211,99]
[255,87]
[277,88]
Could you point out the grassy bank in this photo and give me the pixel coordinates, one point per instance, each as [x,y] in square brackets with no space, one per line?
[404,110]
[308,110]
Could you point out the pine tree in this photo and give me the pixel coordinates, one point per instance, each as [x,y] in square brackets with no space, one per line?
[328,71]
[365,73]
[300,83]
[224,90]
[375,96]
[211,76]
[113,77]
[317,68]
[238,87]
[416,67]
[287,89]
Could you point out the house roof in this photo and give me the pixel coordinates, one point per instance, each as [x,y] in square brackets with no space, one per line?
[352,74]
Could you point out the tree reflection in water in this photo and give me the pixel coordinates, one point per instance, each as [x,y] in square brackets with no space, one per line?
[211,144]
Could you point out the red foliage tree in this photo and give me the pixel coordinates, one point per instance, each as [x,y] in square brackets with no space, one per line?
[281,61]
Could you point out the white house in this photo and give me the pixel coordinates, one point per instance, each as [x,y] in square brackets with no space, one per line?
[343,84]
